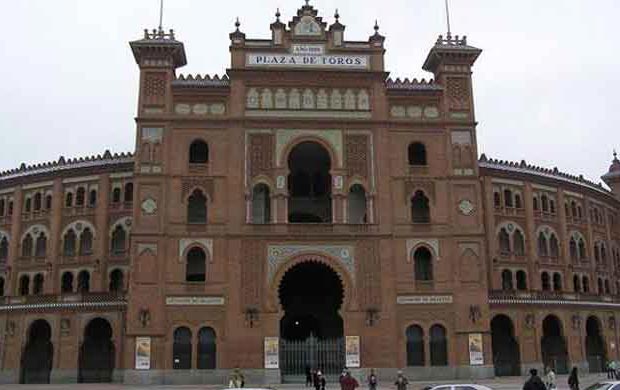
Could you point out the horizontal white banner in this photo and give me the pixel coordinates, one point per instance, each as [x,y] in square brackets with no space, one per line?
[424,300]
[195,301]
[308,61]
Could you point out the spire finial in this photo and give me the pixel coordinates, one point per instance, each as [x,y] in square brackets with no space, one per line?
[237,23]
[615,155]
[376,26]
[161,16]
[307,3]
[278,14]
[337,15]
[448,18]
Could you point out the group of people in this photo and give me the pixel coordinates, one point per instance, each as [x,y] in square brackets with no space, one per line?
[613,370]
[549,382]
[316,379]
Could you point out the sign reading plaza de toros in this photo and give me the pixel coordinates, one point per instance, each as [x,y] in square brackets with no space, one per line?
[307,56]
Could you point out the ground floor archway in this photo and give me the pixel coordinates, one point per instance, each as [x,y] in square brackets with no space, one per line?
[595,345]
[38,354]
[96,362]
[311,294]
[506,354]
[553,345]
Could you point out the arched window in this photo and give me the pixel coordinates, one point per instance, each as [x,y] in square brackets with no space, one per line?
[521,280]
[69,242]
[48,202]
[439,346]
[573,250]
[567,210]
[261,204]
[601,288]
[423,264]
[80,196]
[69,199]
[28,205]
[545,203]
[92,198]
[4,249]
[576,283]
[182,349]
[116,195]
[117,283]
[128,193]
[597,253]
[545,281]
[196,267]
[197,208]
[535,203]
[582,250]
[607,287]
[551,206]
[603,254]
[86,242]
[83,282]
[119,237]
[554,246]
[66,283]
[420,209]
[417,153]
[508,198]
[573,207]
[24,285]
[198,152]
[557,282]
[519,243]
[504,241]
[41,245]
[38,202]
[207,352]
[415,346]
[585,284]
[37,284]
[579,212]
[1,286]
[518,203]
[497,201]
[10,208]
[357,205]
[542,245]
[2,207]
[27,245]
[507,280]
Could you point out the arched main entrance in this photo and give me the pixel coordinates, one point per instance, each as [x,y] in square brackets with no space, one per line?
[309,184]
[506,355]
[311,330]
[553,345]
[36,362]
[595,346]
[97,353]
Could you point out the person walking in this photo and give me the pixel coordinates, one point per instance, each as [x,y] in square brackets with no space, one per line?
[319,382]
[308,377]
[237,381]
[573,379]
[534,382]
[348,382]
[550,378]
[401,381]
[611,369]
[372,380]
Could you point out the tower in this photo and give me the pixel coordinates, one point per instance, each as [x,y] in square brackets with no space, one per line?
[612,177]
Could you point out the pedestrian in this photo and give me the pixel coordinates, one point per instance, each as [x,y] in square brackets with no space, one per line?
[534,382]
[236,379]
[309,380]
[550,378]
[372,380]
[319,382]
[573,379]
[348,382]
[343,375]
[401,381]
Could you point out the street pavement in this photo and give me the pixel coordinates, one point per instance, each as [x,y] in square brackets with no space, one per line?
[512,383]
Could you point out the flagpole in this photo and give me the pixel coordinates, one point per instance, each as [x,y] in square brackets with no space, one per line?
[447,17]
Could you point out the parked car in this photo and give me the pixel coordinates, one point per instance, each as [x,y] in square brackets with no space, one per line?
[610,385]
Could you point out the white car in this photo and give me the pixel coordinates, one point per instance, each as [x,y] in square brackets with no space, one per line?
[607,385]
[464,387]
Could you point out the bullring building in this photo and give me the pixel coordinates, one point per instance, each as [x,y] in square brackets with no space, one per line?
[304,209]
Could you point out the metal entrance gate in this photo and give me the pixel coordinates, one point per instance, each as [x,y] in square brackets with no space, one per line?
[298,355]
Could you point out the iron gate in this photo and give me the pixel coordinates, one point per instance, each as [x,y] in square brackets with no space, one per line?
[327,355]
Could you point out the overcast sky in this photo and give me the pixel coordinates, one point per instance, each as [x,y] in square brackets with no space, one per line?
[545,85]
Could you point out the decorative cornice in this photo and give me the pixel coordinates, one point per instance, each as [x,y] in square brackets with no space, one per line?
[412,85]
[200,81]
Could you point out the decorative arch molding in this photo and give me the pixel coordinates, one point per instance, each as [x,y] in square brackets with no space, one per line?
[204,243]
[124,222]
[278,255]
[547,231]
[78,227]
[263,179]
[577,235]
[510,226]
[30,320]
[287,139]
[34,230]
[147,247]
[430,243]
[85,320]
[4,234]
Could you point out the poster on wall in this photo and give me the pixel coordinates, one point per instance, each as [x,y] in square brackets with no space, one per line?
[143,353]
[272,349]
[476,355]
[353,351]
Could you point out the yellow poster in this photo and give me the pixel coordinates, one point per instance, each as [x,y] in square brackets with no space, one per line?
[143,353]
[476,353]
[353,351]
[272,352]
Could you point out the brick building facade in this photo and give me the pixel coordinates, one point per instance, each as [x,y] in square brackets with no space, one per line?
[304,195]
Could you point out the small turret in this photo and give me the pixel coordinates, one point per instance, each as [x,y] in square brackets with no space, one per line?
[612,177]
